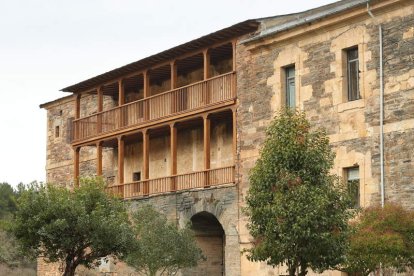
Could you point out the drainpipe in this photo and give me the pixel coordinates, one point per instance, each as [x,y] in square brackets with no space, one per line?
[381,107]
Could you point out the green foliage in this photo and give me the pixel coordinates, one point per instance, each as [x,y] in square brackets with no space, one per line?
[298,211]
[162,248]
[381,236]
[7,201]
[74,227]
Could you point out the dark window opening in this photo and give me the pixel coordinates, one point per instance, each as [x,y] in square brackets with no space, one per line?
[136,176]
[57,131]
[352,64]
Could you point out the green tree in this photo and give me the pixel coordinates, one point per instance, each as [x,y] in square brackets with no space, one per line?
[76,227]
[162,248]
[7,201]
[381,237]
[298,211]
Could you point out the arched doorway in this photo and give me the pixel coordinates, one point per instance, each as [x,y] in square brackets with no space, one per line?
[210,237]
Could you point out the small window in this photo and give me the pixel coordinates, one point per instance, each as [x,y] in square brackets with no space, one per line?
[352,180]
[352,72]
[57,131]
[136,176]
[290,94]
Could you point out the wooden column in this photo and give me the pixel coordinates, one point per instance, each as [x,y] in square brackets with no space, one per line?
[121,145]
[173,86]
[121,101]
[206,88]
[146,94]
[206,140]
[234,113]
[99,158]
[145,151]
[76,152]
[173,151]
[206,56]
[234,80]
[233,44]
[76,129]
[100,109]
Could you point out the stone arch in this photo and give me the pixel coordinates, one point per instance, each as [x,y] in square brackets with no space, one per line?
[222,204]
[210,237]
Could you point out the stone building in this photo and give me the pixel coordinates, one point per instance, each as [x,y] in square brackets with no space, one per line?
[181,129]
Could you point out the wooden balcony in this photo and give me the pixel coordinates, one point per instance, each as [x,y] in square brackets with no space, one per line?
[194,180]
[200,96]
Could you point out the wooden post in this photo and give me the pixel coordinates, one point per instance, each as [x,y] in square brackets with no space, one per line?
[233,44]
[234,80]
[234,113]
[206,139]
[121,101]
[206,88]
[121,145]
[206,56]
[173,151]
[76,129]
[173,86]
[145,151]
[76,152]
[100,109]
[99,158]
[146,94]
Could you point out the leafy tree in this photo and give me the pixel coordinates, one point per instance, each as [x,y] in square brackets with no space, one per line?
[7,200]
[382,236]
[298,211]
[76,227]
[162,249]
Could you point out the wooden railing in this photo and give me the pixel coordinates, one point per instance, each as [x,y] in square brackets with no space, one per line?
[194,180]
[184,99]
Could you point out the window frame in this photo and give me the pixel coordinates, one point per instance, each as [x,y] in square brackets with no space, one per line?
[356,198]
[349,76]
[288,80]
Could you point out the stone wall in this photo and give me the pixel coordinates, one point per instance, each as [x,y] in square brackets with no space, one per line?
[353,127]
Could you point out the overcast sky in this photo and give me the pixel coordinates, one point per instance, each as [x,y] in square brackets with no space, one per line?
[46,45]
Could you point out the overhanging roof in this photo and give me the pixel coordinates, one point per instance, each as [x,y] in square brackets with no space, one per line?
[194,45]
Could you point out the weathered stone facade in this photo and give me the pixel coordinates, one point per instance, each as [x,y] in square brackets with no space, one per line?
[317,50]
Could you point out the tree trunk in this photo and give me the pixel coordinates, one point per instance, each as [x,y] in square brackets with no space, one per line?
[70,268]
[292,270]
[303,269]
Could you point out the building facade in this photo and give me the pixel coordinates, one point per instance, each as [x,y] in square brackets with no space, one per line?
[181,129]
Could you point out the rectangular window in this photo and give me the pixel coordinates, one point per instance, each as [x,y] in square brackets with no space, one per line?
[136,176]
[352,71]
[352,180]
[290,87]
[57,132]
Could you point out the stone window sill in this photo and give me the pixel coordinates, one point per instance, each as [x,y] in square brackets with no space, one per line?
[351,105]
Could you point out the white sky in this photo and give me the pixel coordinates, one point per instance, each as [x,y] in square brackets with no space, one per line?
[46,45]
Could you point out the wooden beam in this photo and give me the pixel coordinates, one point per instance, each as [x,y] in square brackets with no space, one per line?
[76,154]
[121,98]
[206,142]
[234,111]
[147,91]
[233,44]
[173,65]
[99,158]
[77,106]
[100,109]
[145,152]
[206,56]
[121,145]
[173,151]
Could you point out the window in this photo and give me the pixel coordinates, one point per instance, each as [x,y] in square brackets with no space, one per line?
[136,176]
[352,180]
[352,73]
[57,132]
[290,94]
